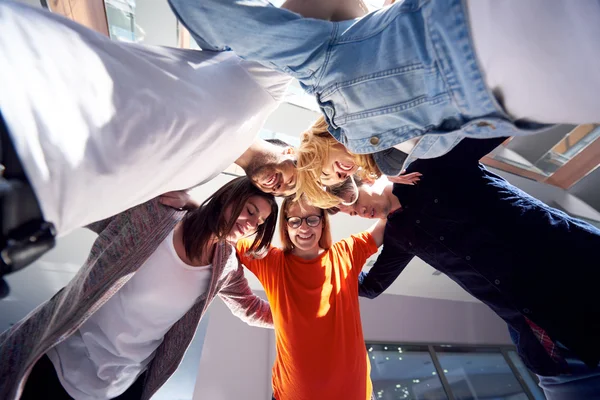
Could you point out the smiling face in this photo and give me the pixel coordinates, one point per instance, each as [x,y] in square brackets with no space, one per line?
[306,235]
[277,178]
[254,213]
[337,166]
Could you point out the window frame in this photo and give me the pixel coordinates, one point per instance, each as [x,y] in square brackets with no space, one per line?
[459,348]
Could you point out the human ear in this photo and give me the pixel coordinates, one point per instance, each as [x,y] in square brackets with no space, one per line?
[289,151]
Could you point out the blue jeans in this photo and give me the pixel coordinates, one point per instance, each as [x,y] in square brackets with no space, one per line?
[582,383]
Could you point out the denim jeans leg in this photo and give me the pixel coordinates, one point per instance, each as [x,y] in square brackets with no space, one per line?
[582,383]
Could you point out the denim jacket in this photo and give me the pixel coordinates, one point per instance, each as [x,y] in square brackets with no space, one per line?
[405,71]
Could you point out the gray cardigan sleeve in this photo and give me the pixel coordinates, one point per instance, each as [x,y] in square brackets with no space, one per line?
[244,304]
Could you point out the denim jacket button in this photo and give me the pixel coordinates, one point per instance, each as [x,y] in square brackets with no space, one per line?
[418,221]
[436,201]
[441,238]
[497,281]
[468,258]
[526,310]
[374,140]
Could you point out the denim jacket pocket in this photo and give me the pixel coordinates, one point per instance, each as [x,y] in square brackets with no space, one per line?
[388,105]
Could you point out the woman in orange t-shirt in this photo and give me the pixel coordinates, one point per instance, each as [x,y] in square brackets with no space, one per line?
[312,287]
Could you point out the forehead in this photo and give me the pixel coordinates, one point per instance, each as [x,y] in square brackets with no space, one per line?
[365,191]
[264,207]
[302,209]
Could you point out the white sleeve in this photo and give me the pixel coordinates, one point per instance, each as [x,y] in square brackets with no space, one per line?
[274,82]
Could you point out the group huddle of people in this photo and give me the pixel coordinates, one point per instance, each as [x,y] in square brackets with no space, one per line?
[108,135]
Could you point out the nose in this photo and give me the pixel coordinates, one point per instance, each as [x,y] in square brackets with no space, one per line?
[342,175]
[304,225]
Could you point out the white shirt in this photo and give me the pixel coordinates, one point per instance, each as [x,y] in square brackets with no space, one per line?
[115,345]
[540,57]
[102,126]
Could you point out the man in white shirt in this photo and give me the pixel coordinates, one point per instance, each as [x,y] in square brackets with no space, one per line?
[100,126]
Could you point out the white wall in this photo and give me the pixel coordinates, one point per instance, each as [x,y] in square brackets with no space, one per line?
[237,359]
[35,3]
[397,318]
[157,21]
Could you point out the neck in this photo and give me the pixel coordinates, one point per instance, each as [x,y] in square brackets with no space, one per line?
[259,148]
[307,254]
[206,256]
[389,194]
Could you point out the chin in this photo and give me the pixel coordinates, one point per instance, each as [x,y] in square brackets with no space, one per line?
[306,247]
[383,214]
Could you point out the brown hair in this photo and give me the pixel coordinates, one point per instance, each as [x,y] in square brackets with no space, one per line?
[208,221]
[287,245]
[313,151]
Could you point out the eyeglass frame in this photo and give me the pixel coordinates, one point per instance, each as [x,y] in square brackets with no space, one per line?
[302,219]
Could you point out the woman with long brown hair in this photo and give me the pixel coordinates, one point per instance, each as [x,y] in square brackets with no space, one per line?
[122,325]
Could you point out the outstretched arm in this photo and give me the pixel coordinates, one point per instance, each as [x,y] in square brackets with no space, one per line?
[244,304]
[376,230]
[258,31]
[390,263]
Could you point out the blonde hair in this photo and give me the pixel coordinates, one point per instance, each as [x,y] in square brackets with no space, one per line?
[314,150]
[287,245]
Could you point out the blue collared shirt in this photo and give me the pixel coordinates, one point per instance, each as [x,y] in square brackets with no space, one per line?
[405,71]
[516,254]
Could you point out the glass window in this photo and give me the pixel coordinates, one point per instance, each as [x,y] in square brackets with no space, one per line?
[567,148]
[404,373]
[478,374]
[530,381]
[121,19]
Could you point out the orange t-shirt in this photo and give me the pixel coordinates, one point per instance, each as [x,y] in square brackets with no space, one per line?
[320,347]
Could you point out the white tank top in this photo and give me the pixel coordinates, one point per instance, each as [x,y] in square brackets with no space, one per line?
[114,346]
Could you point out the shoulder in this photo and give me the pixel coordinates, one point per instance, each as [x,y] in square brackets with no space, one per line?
[359,239]
[273,257]
[357,242]
[141,221]
[242,247]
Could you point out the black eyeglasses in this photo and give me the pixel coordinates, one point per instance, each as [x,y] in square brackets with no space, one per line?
[311,220]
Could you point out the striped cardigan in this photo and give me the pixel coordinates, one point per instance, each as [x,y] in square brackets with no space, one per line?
[124,243]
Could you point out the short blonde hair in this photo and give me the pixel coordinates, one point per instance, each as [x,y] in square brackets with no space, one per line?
[314,150]
[287,245]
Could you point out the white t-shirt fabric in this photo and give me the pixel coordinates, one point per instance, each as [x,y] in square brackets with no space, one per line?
[541,57]
[101,126]
[114,346]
